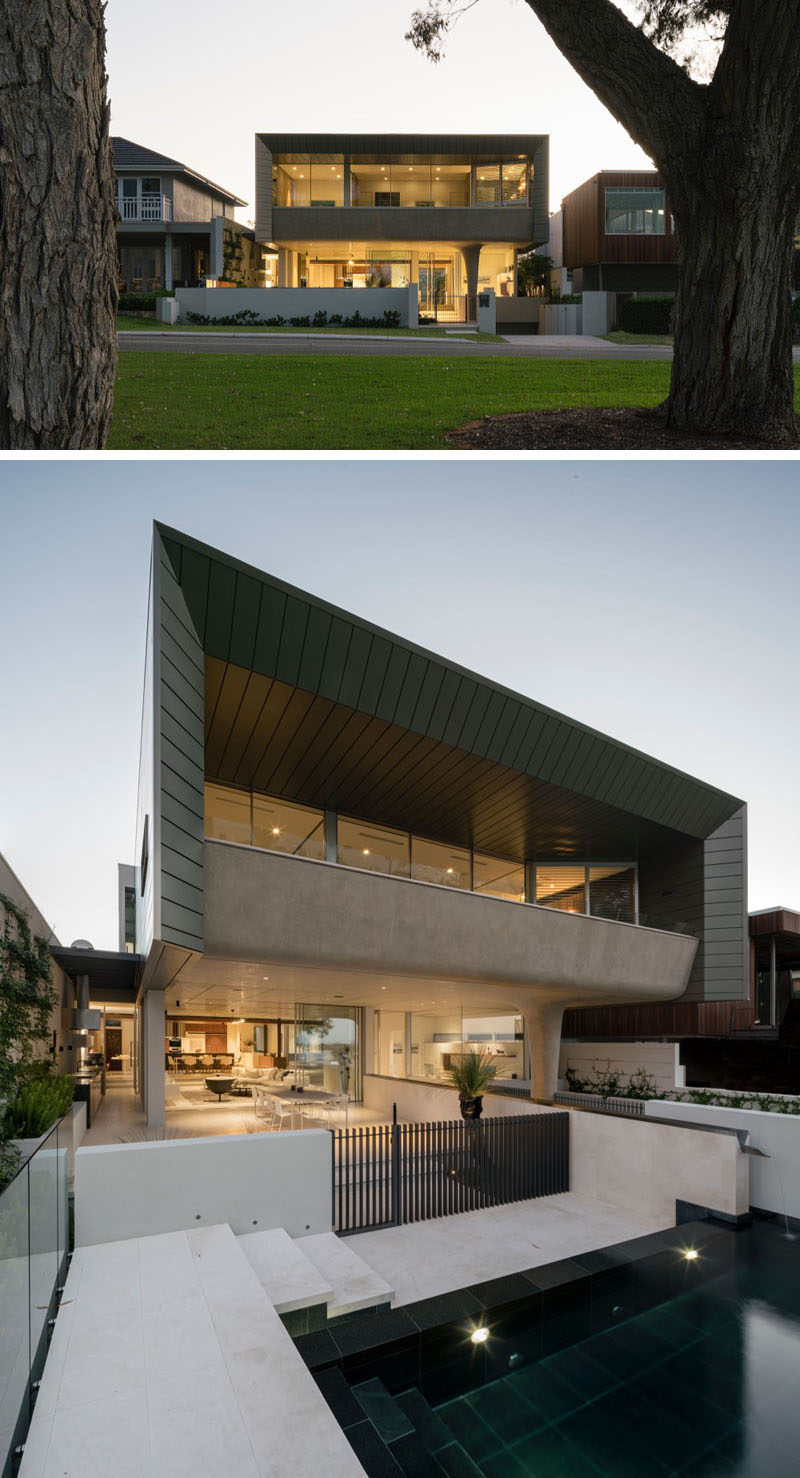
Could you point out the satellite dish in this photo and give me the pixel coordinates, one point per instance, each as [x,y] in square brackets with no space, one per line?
[83,944]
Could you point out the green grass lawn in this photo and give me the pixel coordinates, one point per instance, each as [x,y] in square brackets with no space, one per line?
[620,336]
[131,321]
[232,402]
[228,402]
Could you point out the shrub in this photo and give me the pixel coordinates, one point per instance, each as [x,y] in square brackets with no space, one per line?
[38,1105]
[646,315]
[140,302]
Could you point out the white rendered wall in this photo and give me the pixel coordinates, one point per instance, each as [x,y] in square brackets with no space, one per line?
[251,1181]
[774,1182]
[647,1167]
[660,1059]
[430,1102]
[299,302]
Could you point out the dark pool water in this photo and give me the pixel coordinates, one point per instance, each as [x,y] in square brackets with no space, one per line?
[706,1383]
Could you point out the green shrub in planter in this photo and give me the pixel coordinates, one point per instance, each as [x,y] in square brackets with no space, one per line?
[646,315]
[38,1105]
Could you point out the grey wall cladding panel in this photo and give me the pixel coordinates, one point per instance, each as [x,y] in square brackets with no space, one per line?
[181,707]
[726,944]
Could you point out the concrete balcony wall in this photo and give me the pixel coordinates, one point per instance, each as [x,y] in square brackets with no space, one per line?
[266,906]
[476,223]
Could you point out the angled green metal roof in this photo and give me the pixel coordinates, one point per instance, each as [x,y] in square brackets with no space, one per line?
[313,654]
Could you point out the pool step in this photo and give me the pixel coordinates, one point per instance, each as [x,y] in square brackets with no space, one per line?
[288,1277]
[425,1421]
[382,1409]
[354,1284]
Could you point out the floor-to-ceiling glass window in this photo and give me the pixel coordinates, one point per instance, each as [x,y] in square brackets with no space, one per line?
[606,891]
[390,1044]
[228,814]
[435,1043]
[328,1048]
[498,877]
[375,848]
[562,887]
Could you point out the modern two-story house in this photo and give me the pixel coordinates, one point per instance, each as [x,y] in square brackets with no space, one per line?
[344,838]
[447,212]
[176,228]
[617,234]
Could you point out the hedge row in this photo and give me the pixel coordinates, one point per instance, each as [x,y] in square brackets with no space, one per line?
[247,317]
[646,315]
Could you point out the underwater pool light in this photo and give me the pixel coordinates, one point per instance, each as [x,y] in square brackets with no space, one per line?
[480,1335]
[690,1254]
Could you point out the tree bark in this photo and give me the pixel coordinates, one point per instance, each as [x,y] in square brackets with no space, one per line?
[729,153]
[732,370]
[58,254]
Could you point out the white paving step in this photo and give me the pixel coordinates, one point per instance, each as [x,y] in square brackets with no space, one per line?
[169,1354]
[355,1285]
[290,1279]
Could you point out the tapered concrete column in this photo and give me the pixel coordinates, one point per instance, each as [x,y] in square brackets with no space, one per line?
[543,1025]
[154,1075]
[471,256]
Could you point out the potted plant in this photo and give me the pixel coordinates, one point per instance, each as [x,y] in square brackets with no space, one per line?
[472,1073]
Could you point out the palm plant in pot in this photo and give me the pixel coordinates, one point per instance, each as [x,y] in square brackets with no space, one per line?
[472,1073]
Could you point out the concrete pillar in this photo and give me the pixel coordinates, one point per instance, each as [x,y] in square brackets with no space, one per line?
[471,255]
[331,837]
[216,259]
[154,1074]
[168,262]
[346,182]
[543,1026]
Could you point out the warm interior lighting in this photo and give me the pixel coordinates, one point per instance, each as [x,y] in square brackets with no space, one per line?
[480,1335]
[276,831]
[365,853]
[450,871]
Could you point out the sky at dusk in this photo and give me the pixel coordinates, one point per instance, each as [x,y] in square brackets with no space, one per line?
[657,602]
[197,82]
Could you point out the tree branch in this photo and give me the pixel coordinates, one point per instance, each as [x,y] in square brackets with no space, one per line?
[758,73]
[644,89]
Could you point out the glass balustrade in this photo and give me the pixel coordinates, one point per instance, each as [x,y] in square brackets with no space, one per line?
[34,1234]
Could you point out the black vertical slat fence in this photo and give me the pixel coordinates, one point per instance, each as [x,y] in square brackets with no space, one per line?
[389,1174]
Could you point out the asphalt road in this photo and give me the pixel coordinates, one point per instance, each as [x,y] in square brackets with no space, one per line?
[172,342]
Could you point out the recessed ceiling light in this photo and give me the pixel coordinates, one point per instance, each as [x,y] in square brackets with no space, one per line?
[450,871]
[276,831]
[265,977]
[366,852]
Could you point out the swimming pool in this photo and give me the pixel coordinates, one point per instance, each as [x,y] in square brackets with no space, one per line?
[636,1360]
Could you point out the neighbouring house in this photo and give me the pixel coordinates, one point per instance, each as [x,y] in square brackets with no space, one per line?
[446,212]
[355,857]
[618,234]
[176,228]
[726,1039]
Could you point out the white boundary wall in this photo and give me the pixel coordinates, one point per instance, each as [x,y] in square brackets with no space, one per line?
[589,1059]
[429,1103]
[300,302]
[647,1167]
[778,1135]
[251,1181]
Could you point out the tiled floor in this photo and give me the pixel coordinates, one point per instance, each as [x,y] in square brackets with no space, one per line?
[191,1114]
[434,1257]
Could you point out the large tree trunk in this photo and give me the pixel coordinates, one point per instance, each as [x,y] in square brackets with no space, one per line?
[732,368]
[729,152]
[58,256]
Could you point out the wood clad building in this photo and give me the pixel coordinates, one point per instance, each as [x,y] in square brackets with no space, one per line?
[619,234]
